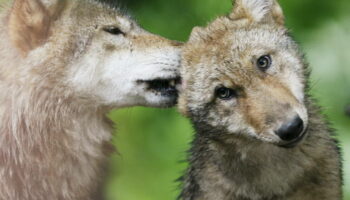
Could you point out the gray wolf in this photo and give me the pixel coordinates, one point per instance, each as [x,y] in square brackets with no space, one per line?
[64,65]
[259,135]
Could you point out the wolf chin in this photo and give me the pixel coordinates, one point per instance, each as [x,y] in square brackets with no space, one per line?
[64,65]
[259,135]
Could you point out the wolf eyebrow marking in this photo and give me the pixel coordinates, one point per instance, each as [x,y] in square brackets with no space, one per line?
[234,68]
[126,24]
[227,75]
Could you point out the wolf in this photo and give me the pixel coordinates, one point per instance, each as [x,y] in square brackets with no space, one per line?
[64,65]
[259,134]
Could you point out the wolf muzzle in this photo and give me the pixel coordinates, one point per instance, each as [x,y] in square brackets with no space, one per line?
[292,132]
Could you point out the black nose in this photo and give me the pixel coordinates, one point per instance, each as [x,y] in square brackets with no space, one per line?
[291,130]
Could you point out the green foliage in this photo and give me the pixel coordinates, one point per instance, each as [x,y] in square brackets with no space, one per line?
[152,142]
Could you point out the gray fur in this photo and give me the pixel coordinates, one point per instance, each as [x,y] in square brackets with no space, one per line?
[235,154]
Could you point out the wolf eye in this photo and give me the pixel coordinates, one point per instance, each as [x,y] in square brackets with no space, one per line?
[225,93]
[264,62]
[113,30]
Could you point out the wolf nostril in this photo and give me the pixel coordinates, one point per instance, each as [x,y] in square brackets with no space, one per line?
[291,130]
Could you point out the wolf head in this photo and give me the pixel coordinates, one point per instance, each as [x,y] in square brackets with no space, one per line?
[94,51]
[243,75]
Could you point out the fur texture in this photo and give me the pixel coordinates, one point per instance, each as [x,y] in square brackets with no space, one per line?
[64,65]
[236,153]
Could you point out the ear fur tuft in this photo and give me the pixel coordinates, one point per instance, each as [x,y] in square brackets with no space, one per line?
[277,13]
[258,11]
[30,22]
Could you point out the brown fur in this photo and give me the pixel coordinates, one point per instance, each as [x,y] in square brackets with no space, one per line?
[54,138]
[236,154]
[33,18]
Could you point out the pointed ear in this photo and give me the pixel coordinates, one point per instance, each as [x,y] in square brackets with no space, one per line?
[277,13]
[30,22]
[258,11]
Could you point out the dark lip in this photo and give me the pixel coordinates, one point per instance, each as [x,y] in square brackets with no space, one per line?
[296,141]
[164,87]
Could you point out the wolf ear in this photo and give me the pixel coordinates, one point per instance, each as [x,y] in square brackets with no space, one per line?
[258,11]
[30,22]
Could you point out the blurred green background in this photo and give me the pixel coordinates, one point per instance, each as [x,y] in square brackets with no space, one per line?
[152,142]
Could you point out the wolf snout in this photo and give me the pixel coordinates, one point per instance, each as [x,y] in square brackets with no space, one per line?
[291,131]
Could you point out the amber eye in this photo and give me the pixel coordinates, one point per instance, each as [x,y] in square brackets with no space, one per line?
[225,93]
[264,62]
[113,30]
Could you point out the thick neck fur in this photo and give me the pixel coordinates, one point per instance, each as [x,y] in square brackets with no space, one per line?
[241,168]
[51,142]
[38,119]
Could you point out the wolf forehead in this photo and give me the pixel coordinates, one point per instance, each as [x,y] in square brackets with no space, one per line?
[223,43]
[101,10]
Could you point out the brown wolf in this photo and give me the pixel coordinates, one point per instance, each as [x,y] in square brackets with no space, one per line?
[64,65]
[259,135]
